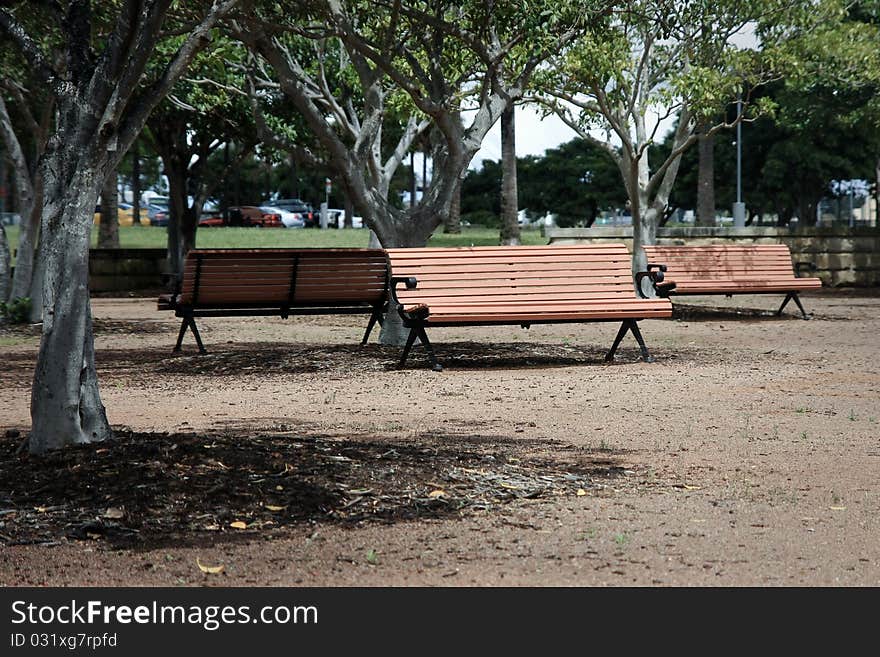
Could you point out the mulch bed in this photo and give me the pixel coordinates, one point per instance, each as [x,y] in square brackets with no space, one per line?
[177,489]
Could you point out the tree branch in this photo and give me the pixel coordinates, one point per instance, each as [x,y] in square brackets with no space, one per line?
[33,54]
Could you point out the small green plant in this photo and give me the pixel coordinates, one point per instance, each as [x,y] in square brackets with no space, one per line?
[587,534]
[852,415]
[803,435]
[17,311]
[621,539]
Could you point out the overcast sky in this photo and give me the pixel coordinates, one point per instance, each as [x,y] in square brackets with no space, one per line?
[534,135]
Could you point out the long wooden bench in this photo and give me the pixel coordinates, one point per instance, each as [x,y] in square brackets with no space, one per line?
[725,269]
[482,286]
[282,282]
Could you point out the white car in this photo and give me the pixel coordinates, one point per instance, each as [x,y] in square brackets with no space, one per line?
[288,218]
[336,219]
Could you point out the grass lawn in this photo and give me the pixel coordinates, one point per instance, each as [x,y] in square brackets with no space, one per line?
[143,237]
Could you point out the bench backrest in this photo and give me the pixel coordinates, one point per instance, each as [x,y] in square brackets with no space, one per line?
[759,262]
[491,274]
[283,277]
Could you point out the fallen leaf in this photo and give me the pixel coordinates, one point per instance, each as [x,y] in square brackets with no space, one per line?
[279,487]
[437,493]
[686,487]
[270,507]
[238,524]
[41,509]
[581,492]
[209,569]
[114,514]
[837,508]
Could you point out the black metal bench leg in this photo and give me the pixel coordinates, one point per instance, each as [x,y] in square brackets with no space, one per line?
[638,336]
[629,325]
[788,297]
[195,332]
[410,340]
[624,327]
[375,317]
[800,306]
[436,366]
[183,326]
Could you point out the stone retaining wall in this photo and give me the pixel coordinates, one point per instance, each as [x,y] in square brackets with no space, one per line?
[843,256]
[123,270]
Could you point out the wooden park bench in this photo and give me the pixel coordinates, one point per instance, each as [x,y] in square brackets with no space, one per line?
[282,282]
[725,269]
[494,285]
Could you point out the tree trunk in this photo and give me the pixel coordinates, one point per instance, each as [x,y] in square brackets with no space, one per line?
[510,234]
[644,223]
[452,225]
[877,192]
[177,207]
[66,405]
[28,238]
[412,179]
[136,182]
[349,212]
[706,180]
[592,212]
[5,262]
[108,229]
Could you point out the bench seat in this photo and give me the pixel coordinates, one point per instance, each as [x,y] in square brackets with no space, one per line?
[725,269]
[485,286]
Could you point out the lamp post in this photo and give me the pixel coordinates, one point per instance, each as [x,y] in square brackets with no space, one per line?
[739,208]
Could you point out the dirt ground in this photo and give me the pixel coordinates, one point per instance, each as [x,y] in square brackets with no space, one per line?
[747,454]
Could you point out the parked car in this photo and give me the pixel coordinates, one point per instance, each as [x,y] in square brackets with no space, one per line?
[252,215]
[211,221]
[159,217]
[124,213]
[288,218]
[298,207]
[337,219]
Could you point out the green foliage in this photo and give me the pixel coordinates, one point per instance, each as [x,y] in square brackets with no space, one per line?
[16,311]
[574,181]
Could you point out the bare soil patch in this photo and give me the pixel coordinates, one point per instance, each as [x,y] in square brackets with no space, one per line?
[747,454]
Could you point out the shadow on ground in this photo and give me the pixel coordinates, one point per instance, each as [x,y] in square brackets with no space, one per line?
[695,313]
[147,490]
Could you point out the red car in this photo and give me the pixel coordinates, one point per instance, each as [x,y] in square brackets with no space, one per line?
[211,221]
[251,215]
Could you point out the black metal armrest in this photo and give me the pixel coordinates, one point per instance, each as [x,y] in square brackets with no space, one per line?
[411,283]
[656,275]
[804,264]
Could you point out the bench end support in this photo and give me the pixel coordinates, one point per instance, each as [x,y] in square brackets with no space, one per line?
[793,296]
[629,325]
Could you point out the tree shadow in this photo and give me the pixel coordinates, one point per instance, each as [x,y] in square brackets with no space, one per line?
[149,490]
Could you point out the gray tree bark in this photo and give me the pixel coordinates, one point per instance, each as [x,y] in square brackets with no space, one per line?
[101,110]
[108,228]
[136,182]
[510,234]
[452,224]
[706,178]
[66,404]
[26,185]
[5,263]
[877,192]
[348,206]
